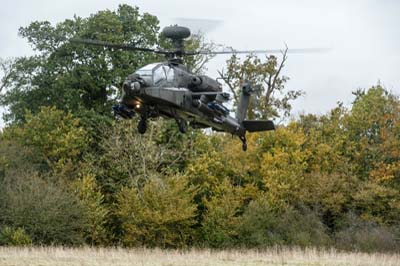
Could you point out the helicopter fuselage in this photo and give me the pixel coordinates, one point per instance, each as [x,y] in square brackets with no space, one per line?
[171,91]
[200,110]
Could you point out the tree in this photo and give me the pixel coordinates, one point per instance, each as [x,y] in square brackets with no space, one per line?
[283,165]
[221,218]
[15,157]
[76,77]
[373,126]
[127,158]
[197,63]
[95,211]
[54,134]
[273,100]
[330,180]
[71,76]
[353,161]
[5,70]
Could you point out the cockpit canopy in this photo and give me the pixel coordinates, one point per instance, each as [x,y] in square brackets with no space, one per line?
[157,74]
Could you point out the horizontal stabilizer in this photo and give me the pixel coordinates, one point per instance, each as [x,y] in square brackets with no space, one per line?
[258,125]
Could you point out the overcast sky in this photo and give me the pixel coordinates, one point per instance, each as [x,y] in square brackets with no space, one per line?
[364,36]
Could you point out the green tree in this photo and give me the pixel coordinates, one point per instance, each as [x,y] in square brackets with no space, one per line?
[128,159]
[354,158]
[5,72]
[76,77]
[71,76]
[330,180]
[373,126]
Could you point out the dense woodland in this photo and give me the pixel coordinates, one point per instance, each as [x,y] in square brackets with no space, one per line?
[70,174]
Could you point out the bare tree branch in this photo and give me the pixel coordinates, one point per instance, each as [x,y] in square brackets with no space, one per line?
[228,83]
[282,64]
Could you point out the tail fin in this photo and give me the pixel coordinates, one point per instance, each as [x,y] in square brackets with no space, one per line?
[243,102]
[260,125]
[250,125]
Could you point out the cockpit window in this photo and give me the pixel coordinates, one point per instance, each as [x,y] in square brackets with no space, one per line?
[146,70]
[163,73]
[148,67]
[157,74]
[169,72]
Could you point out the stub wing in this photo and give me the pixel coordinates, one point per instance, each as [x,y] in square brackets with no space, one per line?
[258,125]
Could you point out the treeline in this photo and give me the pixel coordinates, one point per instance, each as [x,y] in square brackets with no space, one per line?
[330,180]
[72,175]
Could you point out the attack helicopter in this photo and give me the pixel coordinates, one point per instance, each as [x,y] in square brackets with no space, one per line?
[169,89]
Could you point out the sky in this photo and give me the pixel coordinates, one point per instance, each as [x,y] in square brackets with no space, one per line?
[364,37]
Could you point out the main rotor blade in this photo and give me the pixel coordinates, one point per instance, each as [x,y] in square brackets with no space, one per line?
[115,45]
[271,51]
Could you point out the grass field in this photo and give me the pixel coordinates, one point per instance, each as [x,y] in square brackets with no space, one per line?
[146,257]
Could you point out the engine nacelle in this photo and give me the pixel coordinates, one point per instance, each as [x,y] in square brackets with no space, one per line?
[204,83]
[196,81]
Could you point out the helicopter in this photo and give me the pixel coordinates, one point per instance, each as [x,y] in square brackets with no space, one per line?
[169,89]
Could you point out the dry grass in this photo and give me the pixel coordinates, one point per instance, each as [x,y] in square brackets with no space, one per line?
[46,256]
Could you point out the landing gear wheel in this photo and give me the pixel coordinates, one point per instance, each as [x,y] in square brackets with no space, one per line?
[142,126]
[182,125]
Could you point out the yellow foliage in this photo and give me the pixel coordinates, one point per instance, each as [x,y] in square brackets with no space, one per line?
[159,214]
[96,213]
[57,135]
[283,166]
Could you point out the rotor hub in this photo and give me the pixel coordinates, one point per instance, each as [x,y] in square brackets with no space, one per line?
[176,32]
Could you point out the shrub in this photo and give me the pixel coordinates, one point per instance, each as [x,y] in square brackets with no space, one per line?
[48,212]
[262,226]
[161,214]
[56,135]
[219,227]
[357,234]
[96,213]
[14,237]
[15,158]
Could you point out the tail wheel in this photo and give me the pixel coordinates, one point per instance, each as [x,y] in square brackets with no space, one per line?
[244,142]
[244,146]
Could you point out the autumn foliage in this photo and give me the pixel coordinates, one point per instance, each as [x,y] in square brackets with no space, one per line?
[72,175]
[319,180]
